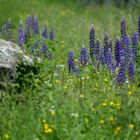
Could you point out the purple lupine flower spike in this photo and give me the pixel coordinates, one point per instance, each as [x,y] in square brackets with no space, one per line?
[121,76]
[139,27]
[101,57]
[92,43]
[83,58]
[128,49]
[9,30]
[71,65]
[44,48]
[21,36]
[35,26]
[110,62]
[45,33]
[135,45]
[117,51]
[106,46]
[97,49]
[29,26]
[123,28]
[110,45]
[52,35]
[131,70]
[77,71]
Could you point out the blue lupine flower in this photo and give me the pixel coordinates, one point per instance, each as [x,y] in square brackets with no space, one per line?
[45,33]
[102,56]
[97,49]
[9,27]
[106,46]
[83,58]
[52,35]
[110,62]
[121,76]
[131,70]
[139,27]
[35,26]
[128,49]
[92,43]
[117,51]
[44,48]
[123,28]
[71,65]
[135,45]
[29,26]
[21,36]
[77,71]
[29,22]
[110,45]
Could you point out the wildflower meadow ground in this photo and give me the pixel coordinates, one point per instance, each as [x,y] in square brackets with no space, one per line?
[87,86]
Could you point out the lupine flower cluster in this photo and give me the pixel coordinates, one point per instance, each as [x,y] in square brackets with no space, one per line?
[120,59]
[29,35]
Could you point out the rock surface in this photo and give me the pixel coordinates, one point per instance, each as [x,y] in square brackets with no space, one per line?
[11,55]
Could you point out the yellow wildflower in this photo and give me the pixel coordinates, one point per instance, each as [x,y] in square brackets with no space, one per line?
[75,60]
[117,130]
[111,103]
[130,93]
[50,130]
[6,136]
[81,96]
[46,126]
[102,121]
[105,79]
[131,125]
[104,104]
[87,77]
[111,118]
[53,113]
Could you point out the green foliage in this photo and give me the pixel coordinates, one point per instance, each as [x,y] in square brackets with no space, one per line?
[48,103]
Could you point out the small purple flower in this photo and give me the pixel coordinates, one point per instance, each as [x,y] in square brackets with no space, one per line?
[77,71]
[121,76]
[21,36]
[44,48]
[139,27]
[117,51]
[131,70]
[35,26]
[110,62]
[110,45]
[97,49]
[71,65]
[106,46]
[128,49]
[45,33]
[102,57]
[29,26]
[92,43]
[52,35]
[135,45]
[83,58]
[123,28]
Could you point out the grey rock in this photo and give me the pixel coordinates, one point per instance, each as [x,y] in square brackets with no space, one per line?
[11,55]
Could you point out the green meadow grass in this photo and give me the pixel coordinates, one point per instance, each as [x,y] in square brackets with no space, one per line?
[67,107]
